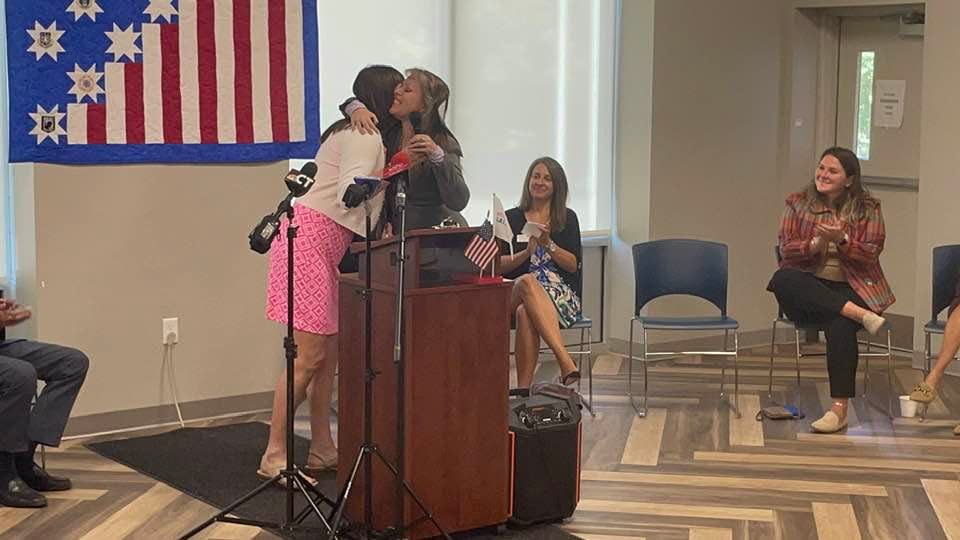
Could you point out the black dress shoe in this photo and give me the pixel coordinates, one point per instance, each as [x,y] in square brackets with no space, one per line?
[41,480]
[19,495]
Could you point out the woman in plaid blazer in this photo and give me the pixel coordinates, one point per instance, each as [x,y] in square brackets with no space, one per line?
[831,237]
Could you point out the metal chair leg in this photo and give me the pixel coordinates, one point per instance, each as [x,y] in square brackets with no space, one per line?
[736,372]
[889,376]
[723,362]
[773,344]
[590,366]
[866,371]
[580,363]
[926,372]
[630,365]
[646,373]
[796,335]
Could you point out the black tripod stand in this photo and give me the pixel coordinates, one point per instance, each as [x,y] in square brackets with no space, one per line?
[368,447]
[289,477]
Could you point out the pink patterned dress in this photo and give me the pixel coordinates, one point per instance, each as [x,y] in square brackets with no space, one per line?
[318,248]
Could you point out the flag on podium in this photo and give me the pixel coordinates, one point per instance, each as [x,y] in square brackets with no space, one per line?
[483,246]
[501,227]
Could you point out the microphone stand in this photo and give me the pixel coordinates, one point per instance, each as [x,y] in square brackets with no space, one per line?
[290,478]
[369,447]
[399,365]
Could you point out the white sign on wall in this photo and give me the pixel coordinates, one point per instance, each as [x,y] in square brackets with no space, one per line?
[888,104]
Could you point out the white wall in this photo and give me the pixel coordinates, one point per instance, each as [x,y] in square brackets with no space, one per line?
[120,247]
[632,180]
[716,135]
[939,221]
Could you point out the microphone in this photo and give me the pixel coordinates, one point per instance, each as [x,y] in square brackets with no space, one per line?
[299,183]
[415,120]
[399,165]
[361,190]
[365,186]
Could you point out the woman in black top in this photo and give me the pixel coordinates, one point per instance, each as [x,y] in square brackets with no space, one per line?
[546,267]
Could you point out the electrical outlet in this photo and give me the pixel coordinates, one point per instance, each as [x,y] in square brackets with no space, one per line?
[171,331]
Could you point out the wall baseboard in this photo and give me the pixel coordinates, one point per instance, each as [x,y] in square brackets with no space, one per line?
[166,414]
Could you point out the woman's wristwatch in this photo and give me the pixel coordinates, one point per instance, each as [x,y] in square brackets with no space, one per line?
[552,246]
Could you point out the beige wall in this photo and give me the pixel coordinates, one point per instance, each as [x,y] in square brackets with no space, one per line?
[939,221]
[716,123]
[118,248]
[632,168]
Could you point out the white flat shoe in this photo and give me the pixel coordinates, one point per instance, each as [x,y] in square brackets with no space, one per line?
[873,323]
[828,423]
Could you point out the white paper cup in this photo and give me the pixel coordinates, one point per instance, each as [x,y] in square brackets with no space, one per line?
[908,407]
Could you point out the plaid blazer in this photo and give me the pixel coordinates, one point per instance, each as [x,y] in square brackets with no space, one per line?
[860,256]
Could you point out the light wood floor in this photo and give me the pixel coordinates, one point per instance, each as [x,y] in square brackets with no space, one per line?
[688,470]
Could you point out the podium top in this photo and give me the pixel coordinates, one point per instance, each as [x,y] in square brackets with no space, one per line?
[360,247]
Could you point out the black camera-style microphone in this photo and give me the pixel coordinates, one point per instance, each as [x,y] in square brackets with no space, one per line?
[299,183]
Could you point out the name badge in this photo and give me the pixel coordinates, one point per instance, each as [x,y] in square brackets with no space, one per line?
[523,239]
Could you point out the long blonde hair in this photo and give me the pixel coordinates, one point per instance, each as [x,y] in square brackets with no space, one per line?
[852,204]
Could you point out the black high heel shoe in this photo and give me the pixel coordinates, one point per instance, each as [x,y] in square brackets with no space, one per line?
[570,378]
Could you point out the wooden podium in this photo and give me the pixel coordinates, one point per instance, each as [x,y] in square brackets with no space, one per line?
[456,362]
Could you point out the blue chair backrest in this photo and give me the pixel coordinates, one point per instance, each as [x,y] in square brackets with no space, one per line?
[692,267]
[946,270]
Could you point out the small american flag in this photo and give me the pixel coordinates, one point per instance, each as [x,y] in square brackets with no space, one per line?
[483,246]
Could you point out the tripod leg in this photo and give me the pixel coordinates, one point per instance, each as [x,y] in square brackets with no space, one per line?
[345,494]
[231,507]
[317,495]
[301,483]
[410,492]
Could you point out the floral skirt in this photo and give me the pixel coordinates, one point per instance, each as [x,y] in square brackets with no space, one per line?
[566,302]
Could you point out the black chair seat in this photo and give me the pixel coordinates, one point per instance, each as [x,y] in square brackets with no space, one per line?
[689,323]
[800,325]
[583,322]
[935,327]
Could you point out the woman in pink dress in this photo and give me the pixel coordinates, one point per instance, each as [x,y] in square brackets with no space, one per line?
[326,227]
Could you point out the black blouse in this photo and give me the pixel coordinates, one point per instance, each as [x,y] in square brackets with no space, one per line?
[568,239]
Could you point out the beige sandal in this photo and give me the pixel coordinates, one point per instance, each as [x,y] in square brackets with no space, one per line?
[923,393]
[324,466]
[956,430]
[829,423]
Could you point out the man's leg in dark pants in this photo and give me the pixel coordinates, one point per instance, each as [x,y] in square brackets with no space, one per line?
[63,371]
[18,385]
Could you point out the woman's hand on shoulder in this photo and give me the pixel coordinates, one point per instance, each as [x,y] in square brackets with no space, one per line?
[364,121]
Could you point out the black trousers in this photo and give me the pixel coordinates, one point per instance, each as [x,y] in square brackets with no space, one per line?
[22,363]
[805,298]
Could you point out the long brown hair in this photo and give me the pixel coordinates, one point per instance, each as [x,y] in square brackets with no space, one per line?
[852,204]
[374,87]
[558,202]
[436,96]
